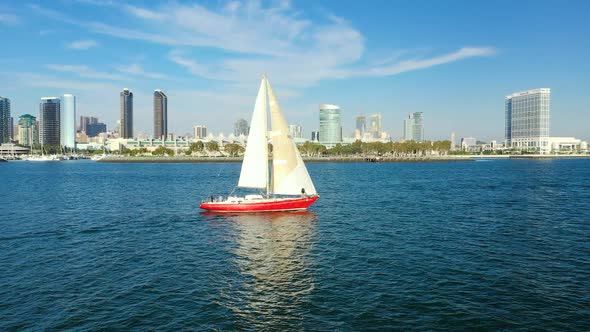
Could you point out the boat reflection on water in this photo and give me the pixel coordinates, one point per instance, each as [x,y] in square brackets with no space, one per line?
[272,255]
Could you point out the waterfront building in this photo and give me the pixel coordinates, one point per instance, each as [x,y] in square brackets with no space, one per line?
[49,121]
[452,141]
[28,132]
[94,129]
[126,124]
[330,126]
[414,127]
[241,128]
[295,131]
[315,136]
[375,125]
[361,124]
[4,120]
[68,121]
[160,114]
[527,116]
[468,142]
[11,130]
[85,121]
[200,132]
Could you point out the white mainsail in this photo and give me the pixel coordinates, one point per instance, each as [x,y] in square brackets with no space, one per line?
[289,174]
[254,173]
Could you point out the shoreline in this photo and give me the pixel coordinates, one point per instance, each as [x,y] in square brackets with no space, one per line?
[452,158]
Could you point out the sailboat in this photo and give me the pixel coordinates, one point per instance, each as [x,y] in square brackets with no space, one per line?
[287,184]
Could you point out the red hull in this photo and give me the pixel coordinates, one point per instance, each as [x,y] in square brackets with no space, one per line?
[279,204]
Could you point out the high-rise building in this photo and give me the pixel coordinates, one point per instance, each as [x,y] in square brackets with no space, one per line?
[241,128]
[85,121]
[28,132]
[375,125]
[68,121]
[315,136]
[160,114]
[452,141]
[527,120]
[4,120]
[200,131]
[126,114]
[414,128]
[11,132]
[295,131]
[361,124]
[49,121]
[330,126]
[94,129]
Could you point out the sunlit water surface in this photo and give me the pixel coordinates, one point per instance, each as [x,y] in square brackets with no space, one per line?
[409,246]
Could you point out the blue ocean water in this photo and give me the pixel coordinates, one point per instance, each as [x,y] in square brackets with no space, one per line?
[498,245]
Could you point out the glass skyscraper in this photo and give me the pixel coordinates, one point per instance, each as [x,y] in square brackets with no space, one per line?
[28,133]
[68,121]
[414,128]
[160,114]
[5,120]
[49,121]
[330,126]
[241,128]
[361,124]
[375,122]
[126,114]
[527,117]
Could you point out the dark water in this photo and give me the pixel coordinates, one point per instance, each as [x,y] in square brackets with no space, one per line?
[498,245]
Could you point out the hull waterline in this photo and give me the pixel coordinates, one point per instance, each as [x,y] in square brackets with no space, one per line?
[270,205]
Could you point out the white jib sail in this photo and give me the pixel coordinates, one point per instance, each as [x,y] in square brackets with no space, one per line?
[289,174]
[254,173]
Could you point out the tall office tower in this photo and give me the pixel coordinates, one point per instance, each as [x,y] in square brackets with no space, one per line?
[28,132]
[160,114]
[200,131]
[11,132]
[241,127]
[94,129]
[315,136]
[49,121]
[361,124]
[295,131]
[330,126]
[452,141]
[4,120]
[527,120]
[414,128]
[68,121]
[126,127]
[85,121]
[375,125]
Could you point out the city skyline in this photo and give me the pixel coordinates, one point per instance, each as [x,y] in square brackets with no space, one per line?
[376,68]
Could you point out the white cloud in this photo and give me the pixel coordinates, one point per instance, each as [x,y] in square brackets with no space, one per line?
[86,72]
[9,19]
[136,69]
[275,39]
[82,44]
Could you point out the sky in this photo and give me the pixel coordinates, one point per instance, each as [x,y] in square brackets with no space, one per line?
[455,61]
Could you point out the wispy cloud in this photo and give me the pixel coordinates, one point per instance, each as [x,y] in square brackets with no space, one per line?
[275,39]
[136,69]
[83,44]
[9,19]
[86,72]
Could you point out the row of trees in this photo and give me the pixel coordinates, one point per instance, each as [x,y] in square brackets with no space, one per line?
[371,148]
[310,149]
